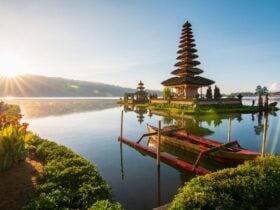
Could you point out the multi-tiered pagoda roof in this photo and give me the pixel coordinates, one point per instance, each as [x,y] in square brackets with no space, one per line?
[186,68]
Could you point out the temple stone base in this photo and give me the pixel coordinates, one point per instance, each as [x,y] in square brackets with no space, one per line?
[196,101]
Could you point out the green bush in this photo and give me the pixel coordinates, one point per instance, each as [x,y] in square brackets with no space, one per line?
[68,181]
[12,110]
[253,185]
[106,205]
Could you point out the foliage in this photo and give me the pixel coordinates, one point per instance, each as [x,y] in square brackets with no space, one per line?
[240,96]
[105,205]
[12,110]
[13,141]
[68,181]
[231,96]
[209,93]
[260,91]
[217,94]
[253,185]
[205,109]
[166,93]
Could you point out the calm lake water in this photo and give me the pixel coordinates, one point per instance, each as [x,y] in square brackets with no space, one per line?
[91,128]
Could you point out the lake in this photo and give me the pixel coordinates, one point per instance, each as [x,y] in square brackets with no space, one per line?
[91,127]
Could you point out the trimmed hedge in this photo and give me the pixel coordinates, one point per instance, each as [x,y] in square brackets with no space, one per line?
[253,185]
[68,181]
[106,205]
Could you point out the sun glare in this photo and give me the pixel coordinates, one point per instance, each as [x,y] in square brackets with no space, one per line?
[12,64]
[8,74]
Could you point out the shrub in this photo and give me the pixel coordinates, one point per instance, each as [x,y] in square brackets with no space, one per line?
[106,205]
[12,111]
[167,93]
[68,181]
[253,185]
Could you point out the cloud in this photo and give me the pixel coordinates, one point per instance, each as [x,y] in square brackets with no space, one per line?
[274,87]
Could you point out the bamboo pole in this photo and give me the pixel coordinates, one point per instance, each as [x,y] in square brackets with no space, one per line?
[158,187]
[121,134]
[158,143]
[229,130]
[264,134]
[121,148]
[121,153]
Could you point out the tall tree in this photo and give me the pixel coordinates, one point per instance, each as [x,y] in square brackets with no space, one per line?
[209,93]
[260,91]
[217,94]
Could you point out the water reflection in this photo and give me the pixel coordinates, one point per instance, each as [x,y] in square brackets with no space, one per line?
[38,108]
[158,187]
[211,125]
[133,175]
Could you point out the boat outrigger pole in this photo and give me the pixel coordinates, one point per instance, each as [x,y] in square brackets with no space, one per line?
[214,149]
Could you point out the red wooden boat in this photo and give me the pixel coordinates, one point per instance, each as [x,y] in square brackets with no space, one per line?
[227,153]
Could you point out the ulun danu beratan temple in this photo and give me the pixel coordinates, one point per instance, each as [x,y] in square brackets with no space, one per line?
[186,83]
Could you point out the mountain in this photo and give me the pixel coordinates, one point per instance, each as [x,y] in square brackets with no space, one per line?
[249,94]
[42,86]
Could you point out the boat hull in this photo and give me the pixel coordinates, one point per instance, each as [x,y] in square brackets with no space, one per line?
[196,144]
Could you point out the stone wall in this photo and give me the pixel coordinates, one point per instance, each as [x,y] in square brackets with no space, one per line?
[198,102]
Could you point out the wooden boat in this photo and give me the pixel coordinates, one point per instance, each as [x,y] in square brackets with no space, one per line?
[227,153]
[164,157]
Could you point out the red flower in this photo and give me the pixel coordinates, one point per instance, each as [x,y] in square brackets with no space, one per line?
[3,117]
[19,116]
[25,125]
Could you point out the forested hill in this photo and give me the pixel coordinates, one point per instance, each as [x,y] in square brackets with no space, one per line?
[42,86]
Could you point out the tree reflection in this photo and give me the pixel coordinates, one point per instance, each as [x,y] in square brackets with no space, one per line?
[37,108]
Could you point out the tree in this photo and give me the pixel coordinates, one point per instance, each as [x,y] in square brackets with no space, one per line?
[217,94]
[209,93]
[260,91]
[167,93]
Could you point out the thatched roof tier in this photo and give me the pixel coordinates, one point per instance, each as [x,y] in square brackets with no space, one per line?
[141,92]
[140,83]
[187,24]
[187,49]
[187,63]
[186,80]
[181,71]
[187,44]
[186,66]
[186,31]
[186,39]
[187,55]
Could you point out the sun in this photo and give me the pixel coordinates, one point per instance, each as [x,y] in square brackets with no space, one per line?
[12,63]
[9,74]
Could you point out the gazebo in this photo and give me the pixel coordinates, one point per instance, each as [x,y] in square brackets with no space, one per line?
[186,82]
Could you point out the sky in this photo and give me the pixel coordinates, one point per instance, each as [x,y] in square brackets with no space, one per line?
[124,41]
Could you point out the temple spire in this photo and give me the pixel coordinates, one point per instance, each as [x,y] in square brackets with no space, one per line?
[187,59]
[187,80]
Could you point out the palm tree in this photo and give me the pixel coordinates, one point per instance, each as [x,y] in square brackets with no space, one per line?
[260,91]
[167,93]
